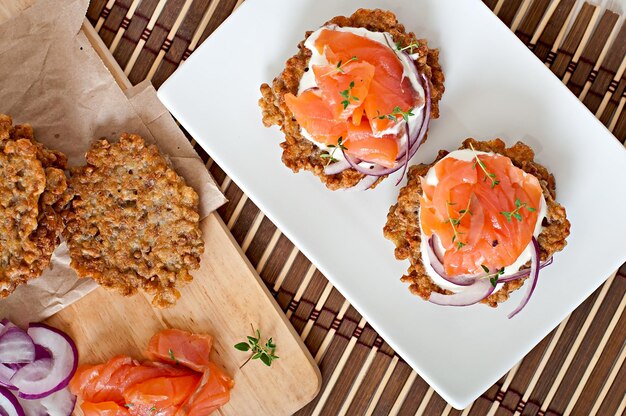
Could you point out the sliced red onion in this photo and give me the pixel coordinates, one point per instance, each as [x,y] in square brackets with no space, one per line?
[466,280]
[33,381]
[9,406]
[437,266]
[61,403]
[534,276]
[470,295]
[524,272]
[6,373]
[336,167]
[365,183]
[16,347]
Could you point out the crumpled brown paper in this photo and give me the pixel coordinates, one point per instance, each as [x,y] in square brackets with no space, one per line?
[52,78]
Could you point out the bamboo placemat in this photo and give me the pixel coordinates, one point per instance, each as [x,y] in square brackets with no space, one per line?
[577,369]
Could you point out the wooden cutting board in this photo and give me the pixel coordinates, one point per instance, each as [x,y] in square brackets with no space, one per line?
[226,297]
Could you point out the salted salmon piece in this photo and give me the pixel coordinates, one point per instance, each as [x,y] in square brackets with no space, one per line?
[362,144]
[174,346]
[344,88]
[103,409]
[83,378]
[388,88]
[160,394]
[107,382]
[316,116]
[468,194]
[212,393]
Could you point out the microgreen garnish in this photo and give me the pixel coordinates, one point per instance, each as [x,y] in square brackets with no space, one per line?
[347,95]
[339,67]
[172,357]
[413,45]
[331,156]
[488,175]
[454,222]
[397,113]
[153,409]
[259,351]
[515,213]
[129,405]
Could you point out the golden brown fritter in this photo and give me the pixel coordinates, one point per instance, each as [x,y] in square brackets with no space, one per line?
[404,230]
[32,187]
[300,153]
[133,223]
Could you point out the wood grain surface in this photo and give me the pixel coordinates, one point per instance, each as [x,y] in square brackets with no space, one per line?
[226,297]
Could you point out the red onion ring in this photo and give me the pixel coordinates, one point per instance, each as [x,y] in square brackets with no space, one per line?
[467,280]
[472,294]
[337,167]
[534,276]
[437,265]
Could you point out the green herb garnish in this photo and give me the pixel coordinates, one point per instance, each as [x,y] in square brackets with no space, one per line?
[515,213]
[172,357]
[454,222]
[266,352]
[339,67]
[488,175]
[331,156]
[397,113]
[411,46]
[347,95]
[493,277]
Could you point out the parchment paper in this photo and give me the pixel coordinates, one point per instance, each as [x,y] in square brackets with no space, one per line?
[51,77]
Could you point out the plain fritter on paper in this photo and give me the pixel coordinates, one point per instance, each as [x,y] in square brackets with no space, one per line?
[32,191]
[133,223]
[403,226]
[300,153]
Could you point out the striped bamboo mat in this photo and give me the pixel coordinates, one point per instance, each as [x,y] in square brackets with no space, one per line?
[577,369]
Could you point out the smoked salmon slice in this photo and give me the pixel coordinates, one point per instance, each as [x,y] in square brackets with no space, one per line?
[315,115]
[182,380]
[359,95]
[103,409]
[483,211]
[174,346]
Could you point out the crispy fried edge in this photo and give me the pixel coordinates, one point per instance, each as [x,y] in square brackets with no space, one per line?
[47,235]
[403,228]
[300,153]
[163,296]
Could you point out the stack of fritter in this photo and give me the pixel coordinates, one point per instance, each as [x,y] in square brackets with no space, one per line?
[32,192]
[132,223]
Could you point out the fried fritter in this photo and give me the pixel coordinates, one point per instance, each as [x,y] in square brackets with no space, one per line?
[32,187]
[403,226]
[133,223]
[300,153]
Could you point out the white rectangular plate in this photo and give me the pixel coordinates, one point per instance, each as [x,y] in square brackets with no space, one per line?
[495,87]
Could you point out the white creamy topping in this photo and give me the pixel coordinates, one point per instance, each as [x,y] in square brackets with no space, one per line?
[431,179]
[308,80]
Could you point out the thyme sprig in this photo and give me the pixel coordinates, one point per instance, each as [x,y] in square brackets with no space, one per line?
[264,352]
[493,277]
[339,67]
[411,46]
[397,113]
[488,175]
[347,95]
[331,156]
[516,212]
[454,222]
